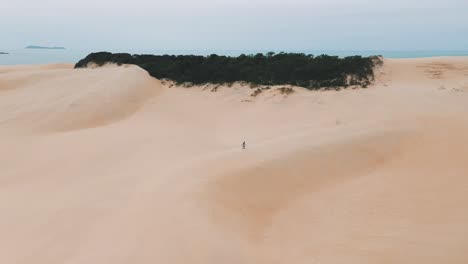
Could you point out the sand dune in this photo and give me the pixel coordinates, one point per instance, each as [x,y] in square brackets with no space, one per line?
[109,165]
[60,98]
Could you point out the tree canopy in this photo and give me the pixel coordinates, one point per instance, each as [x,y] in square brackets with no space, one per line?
[298,69]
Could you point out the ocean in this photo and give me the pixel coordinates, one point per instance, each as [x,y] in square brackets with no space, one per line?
[34,56]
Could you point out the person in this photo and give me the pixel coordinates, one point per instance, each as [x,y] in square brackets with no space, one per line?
[243,145]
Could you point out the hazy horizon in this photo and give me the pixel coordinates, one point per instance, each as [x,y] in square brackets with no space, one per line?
[334,25]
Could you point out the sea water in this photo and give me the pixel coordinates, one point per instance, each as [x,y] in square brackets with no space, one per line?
[44,56]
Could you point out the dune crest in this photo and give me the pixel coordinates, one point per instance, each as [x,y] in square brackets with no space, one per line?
[59,98]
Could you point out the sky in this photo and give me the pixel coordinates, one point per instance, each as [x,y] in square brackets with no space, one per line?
[291,25]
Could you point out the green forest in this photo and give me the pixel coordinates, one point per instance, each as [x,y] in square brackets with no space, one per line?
[312,72]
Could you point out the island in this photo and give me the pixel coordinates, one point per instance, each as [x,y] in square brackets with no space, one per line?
[43,47]
[3,53]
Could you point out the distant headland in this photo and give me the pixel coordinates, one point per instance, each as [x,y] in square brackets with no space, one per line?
[43,47]
[4,53]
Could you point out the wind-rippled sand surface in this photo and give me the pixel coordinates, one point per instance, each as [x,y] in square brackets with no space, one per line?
[109,165]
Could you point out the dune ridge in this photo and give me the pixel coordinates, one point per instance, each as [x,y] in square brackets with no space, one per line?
[109,165]
[69,99]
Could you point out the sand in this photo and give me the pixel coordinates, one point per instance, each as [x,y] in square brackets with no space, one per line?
[109,165]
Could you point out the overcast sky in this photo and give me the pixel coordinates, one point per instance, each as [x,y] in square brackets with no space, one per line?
[236,25]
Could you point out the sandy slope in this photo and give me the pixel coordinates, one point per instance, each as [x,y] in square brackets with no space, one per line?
[110,165]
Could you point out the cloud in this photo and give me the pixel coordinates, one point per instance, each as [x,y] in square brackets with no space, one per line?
[241,24]
[321,4]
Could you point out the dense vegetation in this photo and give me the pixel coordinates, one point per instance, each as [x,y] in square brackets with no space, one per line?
[263,69]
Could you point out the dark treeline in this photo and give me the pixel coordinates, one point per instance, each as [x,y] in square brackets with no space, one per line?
[298,69]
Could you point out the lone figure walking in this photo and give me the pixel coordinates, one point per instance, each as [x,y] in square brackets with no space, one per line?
[243,145]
